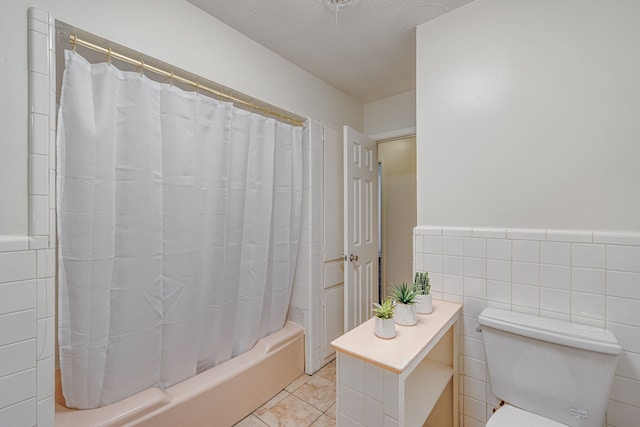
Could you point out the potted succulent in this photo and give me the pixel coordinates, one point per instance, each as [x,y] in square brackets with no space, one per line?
[405,298]
[422,287]
[385,327]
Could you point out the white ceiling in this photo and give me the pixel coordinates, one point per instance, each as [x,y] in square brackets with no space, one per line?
[369,53]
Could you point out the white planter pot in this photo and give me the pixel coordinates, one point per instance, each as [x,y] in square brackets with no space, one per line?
[385,328]
[424,304]
[405,314]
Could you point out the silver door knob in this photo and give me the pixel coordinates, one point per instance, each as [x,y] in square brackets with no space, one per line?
[352,257]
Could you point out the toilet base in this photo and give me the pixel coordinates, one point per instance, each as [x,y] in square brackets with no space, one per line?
[510,416]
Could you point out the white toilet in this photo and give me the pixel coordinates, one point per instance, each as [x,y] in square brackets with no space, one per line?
[550,373]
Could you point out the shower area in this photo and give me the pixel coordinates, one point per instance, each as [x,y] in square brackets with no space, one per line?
[178,218]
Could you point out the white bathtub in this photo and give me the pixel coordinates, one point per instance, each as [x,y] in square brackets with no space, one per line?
[221,396]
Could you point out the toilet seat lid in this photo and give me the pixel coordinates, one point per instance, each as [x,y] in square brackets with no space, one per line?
[509,416]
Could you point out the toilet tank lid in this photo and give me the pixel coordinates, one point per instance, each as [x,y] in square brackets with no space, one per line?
[556,331]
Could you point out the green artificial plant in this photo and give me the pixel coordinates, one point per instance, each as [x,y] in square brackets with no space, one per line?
[404,294]
[421,283]
[384,310]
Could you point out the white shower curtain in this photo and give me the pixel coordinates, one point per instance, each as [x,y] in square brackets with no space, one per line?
[178,225]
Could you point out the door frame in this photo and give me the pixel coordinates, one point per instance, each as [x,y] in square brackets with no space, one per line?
[379,138]
[385,282]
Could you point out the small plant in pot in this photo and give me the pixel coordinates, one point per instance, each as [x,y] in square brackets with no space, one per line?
[405,298]
[385,327]
[422,287]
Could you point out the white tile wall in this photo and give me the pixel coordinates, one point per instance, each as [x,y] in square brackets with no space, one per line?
[367,395]
[526,250]
[579,276]
[27,263]
[17,388]
[555,276]
[18,326]
[558,253]
[623,258]
[16,296]
[20,414]
[306,301]
[17,266]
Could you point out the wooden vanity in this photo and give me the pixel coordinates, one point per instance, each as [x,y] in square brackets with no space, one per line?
[410,380]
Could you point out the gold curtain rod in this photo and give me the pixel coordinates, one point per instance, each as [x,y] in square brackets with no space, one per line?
[75,41]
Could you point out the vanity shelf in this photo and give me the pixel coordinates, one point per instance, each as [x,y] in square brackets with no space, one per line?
[420,400]
[398,382]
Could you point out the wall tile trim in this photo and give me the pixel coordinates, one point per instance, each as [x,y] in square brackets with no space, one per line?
[27,333]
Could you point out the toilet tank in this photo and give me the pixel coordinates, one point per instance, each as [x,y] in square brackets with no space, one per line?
[559,370]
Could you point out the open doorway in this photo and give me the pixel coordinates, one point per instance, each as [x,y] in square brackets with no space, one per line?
[396,211]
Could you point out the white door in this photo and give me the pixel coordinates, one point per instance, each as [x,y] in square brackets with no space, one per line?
[360,227]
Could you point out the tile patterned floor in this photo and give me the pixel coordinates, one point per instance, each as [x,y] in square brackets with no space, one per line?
[308,401]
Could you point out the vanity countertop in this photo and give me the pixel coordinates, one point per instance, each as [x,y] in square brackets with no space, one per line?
[397,353]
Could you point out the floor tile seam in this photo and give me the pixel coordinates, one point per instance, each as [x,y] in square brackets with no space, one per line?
[333,401]
[319,409]
[320,377]
[255,413]
[316,418]
[296,397]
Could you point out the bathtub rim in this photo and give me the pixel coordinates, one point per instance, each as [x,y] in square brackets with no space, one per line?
[149,406]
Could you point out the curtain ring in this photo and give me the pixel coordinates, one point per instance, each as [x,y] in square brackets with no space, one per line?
[74,42]
[197,87]
[141,68]
[171,79]
[108,58]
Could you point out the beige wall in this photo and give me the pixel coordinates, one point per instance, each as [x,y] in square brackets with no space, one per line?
[528,115]
[173,31]
[398,160]
[391,117]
